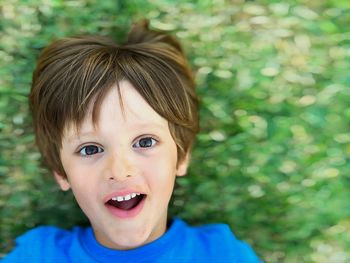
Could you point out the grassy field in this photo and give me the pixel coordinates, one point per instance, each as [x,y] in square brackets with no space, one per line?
[272,158]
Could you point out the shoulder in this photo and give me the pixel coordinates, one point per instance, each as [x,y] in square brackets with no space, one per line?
[46,235]
[40,242]
[219,242]
[42,232]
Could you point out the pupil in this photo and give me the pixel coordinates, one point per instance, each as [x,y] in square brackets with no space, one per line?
[147,142]
[91,150]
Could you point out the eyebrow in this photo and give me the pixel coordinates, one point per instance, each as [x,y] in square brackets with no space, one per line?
[148,125]
[77,136]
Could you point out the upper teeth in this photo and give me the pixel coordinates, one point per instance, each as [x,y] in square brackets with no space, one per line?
[125,198]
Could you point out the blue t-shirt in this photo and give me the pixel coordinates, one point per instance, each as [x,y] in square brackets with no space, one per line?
[180,243]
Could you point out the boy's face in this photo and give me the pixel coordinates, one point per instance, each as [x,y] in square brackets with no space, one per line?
[130,152]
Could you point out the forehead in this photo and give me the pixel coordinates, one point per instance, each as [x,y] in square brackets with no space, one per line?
[126,109]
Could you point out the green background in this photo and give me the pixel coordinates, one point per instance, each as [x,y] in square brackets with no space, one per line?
[272,158]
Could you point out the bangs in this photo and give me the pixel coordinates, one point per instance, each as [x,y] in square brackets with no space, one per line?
[159,85]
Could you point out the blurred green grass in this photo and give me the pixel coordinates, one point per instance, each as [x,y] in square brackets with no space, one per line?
[272,159]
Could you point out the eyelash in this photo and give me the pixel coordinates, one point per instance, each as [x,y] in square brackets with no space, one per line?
[154,142]
[100,150]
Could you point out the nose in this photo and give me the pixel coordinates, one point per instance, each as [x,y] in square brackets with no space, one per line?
[120,166]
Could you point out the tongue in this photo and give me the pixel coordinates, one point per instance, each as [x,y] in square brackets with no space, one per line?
[126,205]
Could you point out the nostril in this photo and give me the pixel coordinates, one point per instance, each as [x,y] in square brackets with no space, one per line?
[127,176]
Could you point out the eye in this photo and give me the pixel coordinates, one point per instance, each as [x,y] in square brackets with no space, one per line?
[90,150]
[145,142]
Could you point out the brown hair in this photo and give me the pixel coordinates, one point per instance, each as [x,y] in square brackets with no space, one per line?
[74,73]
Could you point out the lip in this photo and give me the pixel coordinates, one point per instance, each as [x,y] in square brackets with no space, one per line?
[125,214]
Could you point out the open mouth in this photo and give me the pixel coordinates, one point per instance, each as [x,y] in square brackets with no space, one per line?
[127,202]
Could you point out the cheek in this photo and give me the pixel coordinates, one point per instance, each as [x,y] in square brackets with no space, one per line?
[85,193]
[79,169]
[160,172]
[82,181]
[164,158]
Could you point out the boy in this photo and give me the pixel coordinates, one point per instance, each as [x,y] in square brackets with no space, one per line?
[115,124]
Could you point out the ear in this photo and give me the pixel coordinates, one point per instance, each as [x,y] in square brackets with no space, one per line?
[62,181]
[181,169]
